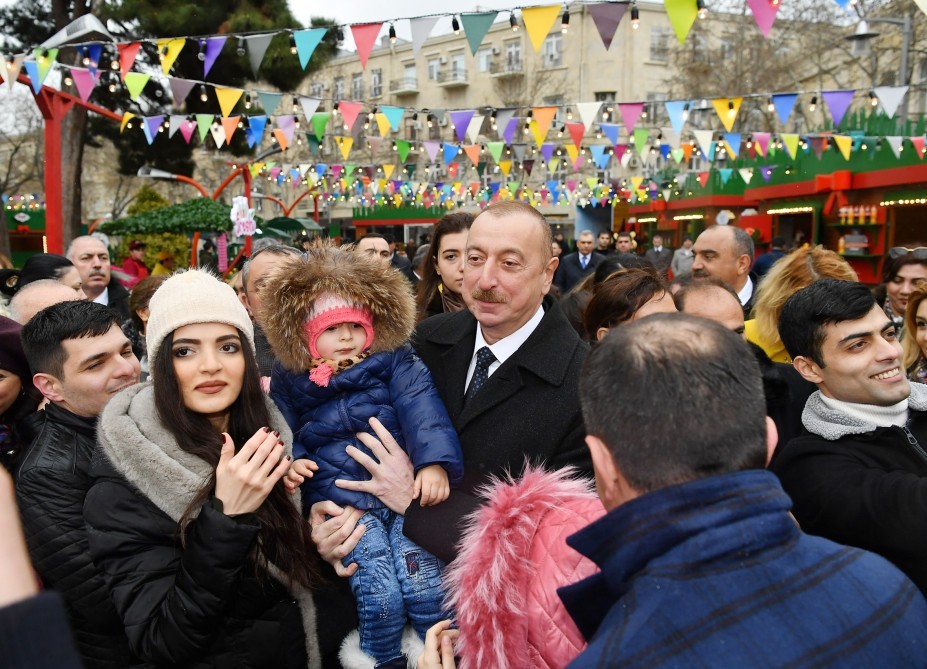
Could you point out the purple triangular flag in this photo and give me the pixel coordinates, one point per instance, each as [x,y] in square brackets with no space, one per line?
[509,133]
[838,102]
[180,89]
[431,148]
[211,52]
[766,172]
[152,123]
[461,120]
[547,150]
[607,16]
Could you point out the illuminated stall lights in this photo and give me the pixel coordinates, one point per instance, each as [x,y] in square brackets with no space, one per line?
[791,210]
[689,217]
[648,219]
[903,203]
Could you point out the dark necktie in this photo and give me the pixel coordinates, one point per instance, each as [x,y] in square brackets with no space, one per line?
[484,358]
[582,261]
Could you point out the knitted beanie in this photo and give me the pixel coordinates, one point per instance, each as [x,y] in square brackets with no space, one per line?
[193,296]
[330,309]
[12,358]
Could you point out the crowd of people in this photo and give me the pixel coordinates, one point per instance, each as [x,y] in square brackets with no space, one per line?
[497,451]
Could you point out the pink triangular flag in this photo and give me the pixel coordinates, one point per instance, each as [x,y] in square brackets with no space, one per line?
[187,129]
[85,81]
[630,112]
[365,36]
[764,12]
[349,112]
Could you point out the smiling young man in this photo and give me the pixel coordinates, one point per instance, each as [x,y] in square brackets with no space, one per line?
[858,475]
[80,359]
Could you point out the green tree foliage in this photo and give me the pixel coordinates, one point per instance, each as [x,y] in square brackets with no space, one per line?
[147,199]
[201,214]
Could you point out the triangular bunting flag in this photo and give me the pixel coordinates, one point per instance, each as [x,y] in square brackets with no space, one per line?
[725,173]
[576,130]
[761,139]
[733,142]
[505,166]
[837,103]
[573,152]
[12,70]
[538,22]
[703,178]
[682,15]
[476,25]
[150,127]
[319,123]
[388,170]
[211,50]
[176,121]
[704,137]
[402,148]
[503,116]
[678,154]
[431,148]
[817,145]
[287,125]
[495,150]
[589,111]
[349,112]
[309,105]
[844,144]
[746,173]
[228,98]
[126,117]
[894,143]
[510,129]
[791,143]
[135,82]
[641,135]
[473,152]
[519,151]
[203,123]
[784,103]
[918,143]
[257,47]
[630,112]
[544,115]
[547,150]
[764,12]
[599,155]
[44,59]
[890,97]
[345,144]
[180,89]
[269,101]
[607,16]
[218,134]
[256,125]
[168,50]
[85,81]
[394,115]
[421,28]
[675,109]
[767,172]
[127,55]
[230,125]
[726,109]
[186,129]
[365,36]
[382,124]
[461,121]
[610,130]
[306,42]
[450,152]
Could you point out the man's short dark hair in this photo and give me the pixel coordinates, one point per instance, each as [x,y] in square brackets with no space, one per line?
[701,283]
[45,332]
[806,315]
[687,403]
[372,235]
[624,234]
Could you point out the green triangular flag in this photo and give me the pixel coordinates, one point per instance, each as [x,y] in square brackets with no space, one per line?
[203,123]
[481,167]
[410,168]
[495,149]
[640,139]
[135,82]
[45,60]
[512,186]
[319,123]
[592,182]
[402,148]
[476,25]
[349,175]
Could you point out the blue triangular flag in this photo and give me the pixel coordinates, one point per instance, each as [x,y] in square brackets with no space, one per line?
[611,131]
[784,102]
[256,125]
[733,141]
[306,42]
[675,109]
[599,155]
[269,101]
[450,152]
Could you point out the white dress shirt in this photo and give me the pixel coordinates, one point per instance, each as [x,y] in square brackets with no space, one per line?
[504,348]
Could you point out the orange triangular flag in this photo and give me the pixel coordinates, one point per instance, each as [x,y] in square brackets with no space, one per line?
[281,138]
[473,152]
[230,125]
[544,116]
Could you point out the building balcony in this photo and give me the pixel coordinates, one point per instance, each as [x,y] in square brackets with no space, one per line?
[507,68]
[404,86]
[452,78]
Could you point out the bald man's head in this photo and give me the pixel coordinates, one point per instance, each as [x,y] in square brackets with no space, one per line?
[33,297]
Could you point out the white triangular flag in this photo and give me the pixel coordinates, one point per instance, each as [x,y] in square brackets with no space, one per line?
[895,144]
[421,29]
[473,129]
[588,112]
[890,97]
[704,137]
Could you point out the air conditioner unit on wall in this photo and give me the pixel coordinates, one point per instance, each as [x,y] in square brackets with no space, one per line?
[444,122]
[496,51]
[443,60]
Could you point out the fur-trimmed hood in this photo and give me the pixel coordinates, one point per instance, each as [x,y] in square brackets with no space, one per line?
[825,422]
[291,291]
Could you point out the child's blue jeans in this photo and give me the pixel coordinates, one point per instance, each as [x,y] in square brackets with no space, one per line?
[395,579]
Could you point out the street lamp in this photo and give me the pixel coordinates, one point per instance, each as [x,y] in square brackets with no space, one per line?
[864,34]
[153,173]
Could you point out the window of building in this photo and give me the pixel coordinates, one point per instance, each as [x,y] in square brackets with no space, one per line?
[552,50]
[605,96]
[727,50]
[513,54]
[660,44]
[357,86]
[338,88]
[409,74]
[434,68]
[376,83]
[459,63]
[484,60]
[656,110]
[699,48]
[317,89]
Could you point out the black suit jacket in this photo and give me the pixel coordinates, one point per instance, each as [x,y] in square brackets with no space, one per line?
[527,411]
[570,271]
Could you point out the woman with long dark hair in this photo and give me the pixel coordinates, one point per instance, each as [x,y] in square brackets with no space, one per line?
[18,397]
[207,558]
[442,274]
[38,267]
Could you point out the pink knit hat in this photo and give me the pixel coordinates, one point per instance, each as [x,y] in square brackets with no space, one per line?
[330,309]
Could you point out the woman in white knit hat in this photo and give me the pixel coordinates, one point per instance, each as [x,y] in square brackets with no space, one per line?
[206,556]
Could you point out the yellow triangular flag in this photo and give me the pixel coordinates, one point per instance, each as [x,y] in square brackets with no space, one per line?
[169,49]
[636,182]
[135,82]
[791,143]
[388,171]
[383,124]
[845,144]
[536,132]
[572,151]
[727,109]
[345,144]
[128,116]
[553,164]
[228,98]
[538,22]
[505,166]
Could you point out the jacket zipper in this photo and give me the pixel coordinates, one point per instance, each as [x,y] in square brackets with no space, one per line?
[914,444]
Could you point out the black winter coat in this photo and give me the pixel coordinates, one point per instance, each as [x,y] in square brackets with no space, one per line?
[866,490]
[201,603]
[51,484]
[528,410]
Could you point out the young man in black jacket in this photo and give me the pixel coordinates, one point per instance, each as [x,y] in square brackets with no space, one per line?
[858,475]
[80,358]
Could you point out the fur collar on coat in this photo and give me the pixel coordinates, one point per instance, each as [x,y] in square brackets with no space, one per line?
[291,292]
[513,556]
[825,422]
[131,436]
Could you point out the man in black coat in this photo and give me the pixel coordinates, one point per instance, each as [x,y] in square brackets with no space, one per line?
[726,252]
[520,402]
[80,358]
[574,267]
[858,474]
[659,255]
[91,258]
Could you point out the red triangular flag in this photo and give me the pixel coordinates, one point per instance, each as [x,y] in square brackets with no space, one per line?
[349,112]
[127,54]
[365,36]
[577,130]
[703,178]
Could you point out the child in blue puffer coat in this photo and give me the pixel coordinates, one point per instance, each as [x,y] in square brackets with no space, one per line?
[339,325]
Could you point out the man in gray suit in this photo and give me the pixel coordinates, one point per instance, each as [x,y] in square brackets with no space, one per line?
[659,255]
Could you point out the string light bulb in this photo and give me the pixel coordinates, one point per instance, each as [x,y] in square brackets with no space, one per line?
[873,100]
[240,49]
[702,9]
[635,15]
[814,103]
[203,96]
[201,56]
[513,22]
[455,25]
[770,105]
[565,21]
[247,100]
[685,112]
[392,34]
[730,108]
[293,49]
